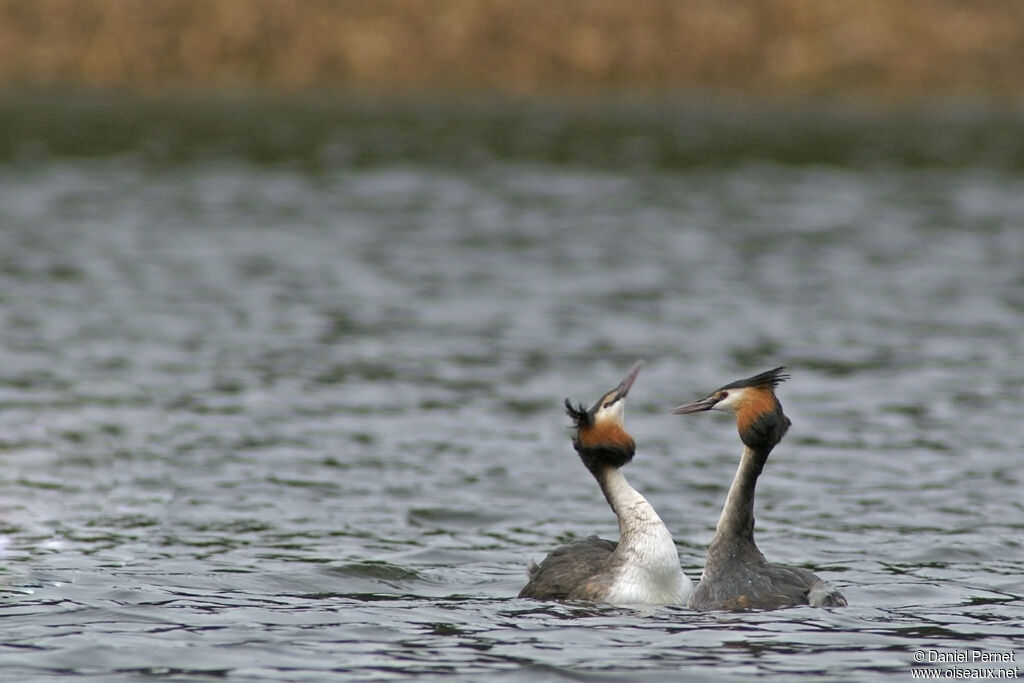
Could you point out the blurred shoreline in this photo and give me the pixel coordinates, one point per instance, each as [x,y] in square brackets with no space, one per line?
[320,132]
[884,50]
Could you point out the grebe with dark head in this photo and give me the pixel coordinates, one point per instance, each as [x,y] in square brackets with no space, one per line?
[643,566]
[736,574]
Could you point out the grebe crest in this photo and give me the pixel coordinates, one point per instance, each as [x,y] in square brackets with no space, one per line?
[736,574]
[600,436]
[643,566]
[759,418]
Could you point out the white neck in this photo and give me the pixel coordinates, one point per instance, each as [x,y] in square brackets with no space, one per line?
[629,505]
[647,557]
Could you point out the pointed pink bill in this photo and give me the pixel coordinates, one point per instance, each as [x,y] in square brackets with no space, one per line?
[695,406]
[627,383]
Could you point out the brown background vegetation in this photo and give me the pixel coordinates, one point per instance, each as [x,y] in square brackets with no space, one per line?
[888,48]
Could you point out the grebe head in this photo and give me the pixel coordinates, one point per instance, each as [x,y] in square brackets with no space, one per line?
[600,437]
[759,417]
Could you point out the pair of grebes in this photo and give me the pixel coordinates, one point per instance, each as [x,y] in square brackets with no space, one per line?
[643,566]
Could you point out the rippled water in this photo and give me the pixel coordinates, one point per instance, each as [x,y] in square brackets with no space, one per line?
[293,421]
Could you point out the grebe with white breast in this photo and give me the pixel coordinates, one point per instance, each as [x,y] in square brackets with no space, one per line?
[643,566]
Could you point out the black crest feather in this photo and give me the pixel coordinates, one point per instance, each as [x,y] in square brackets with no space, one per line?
[580,416]
[769,378]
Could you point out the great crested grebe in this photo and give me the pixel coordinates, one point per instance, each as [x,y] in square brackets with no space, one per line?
[736,575]
[643,566]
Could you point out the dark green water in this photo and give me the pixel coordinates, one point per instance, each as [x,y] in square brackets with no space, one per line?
[280,384]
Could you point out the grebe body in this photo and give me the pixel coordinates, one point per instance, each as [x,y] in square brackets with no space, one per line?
[736,574]
[642,567]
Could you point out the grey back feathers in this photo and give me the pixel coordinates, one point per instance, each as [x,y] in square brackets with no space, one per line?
[567,568]
[740,580]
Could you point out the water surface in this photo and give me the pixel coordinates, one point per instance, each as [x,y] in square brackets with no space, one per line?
[271,416]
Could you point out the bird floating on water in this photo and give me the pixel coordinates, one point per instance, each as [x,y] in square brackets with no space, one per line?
[643,566]
[736,574]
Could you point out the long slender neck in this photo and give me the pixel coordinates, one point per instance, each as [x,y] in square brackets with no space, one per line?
[737,520]
[636,515]
[645,565]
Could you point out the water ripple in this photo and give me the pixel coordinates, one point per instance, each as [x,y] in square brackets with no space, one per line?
[307,426]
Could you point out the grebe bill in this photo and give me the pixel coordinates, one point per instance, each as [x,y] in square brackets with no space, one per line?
[643,566]
[736,574]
